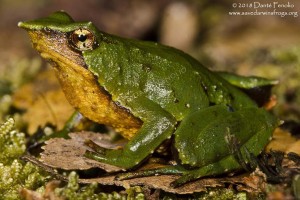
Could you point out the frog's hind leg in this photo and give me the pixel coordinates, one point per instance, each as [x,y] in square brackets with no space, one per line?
[203,139]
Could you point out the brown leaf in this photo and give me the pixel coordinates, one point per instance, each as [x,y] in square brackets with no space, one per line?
[281,141]
[295,147]
[44,102]
[30,195]
[49,193]
[71,153]
[161,182]
[252,183]
[68,154]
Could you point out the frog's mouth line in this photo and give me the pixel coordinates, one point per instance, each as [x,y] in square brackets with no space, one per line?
[55,48]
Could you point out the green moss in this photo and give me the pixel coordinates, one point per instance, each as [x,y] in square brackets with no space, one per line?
[18,175]
[12,143]
[17,72]
[74,191]
[15,174]
[212,194]
[224,194]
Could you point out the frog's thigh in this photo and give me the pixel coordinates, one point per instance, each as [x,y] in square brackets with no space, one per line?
[202,137]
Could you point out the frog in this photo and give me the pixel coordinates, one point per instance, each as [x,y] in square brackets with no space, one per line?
[151,93]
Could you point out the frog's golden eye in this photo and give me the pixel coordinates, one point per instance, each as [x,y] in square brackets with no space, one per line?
[82,39]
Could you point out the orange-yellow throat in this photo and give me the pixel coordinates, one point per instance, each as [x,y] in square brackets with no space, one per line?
[80,85]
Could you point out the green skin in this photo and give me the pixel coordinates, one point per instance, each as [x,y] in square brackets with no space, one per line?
[174,96]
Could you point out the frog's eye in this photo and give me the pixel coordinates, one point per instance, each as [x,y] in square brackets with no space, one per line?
[82,39]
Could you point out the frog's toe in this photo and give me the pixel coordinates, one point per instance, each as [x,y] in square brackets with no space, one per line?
[176,184]
[128,175]
[182,180]
[95,147]
[94,156]
[111,157]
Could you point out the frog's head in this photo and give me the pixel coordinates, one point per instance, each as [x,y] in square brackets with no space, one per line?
[59,39]
[63,42]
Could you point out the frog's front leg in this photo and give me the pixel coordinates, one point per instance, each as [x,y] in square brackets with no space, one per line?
[158,125]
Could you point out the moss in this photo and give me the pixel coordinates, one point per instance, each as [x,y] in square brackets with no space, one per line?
[15,174]
[212,194]
[5,103]
[18,175]
[12,143]
[17,72]
[74,191]
[224,194]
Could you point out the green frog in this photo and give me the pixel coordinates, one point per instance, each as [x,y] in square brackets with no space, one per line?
[150,93]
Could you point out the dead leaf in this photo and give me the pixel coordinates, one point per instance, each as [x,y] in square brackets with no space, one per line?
[271,103]
[295,147]
[282,140]
[71,152]
[30,195]
[161,182]
[49,193]
[43,101]
[68,154]
[253,183]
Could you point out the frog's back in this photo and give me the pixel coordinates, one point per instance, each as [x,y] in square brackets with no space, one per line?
[167,76]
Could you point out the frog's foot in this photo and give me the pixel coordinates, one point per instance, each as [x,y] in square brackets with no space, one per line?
[116,157]
[108,156]
[38,140]
[75,119]
[95,147]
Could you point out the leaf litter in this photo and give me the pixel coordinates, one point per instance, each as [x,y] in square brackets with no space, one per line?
[68,154]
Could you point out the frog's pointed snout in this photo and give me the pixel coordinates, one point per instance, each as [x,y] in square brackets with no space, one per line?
[56,21]
[27,25]
[22,24]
